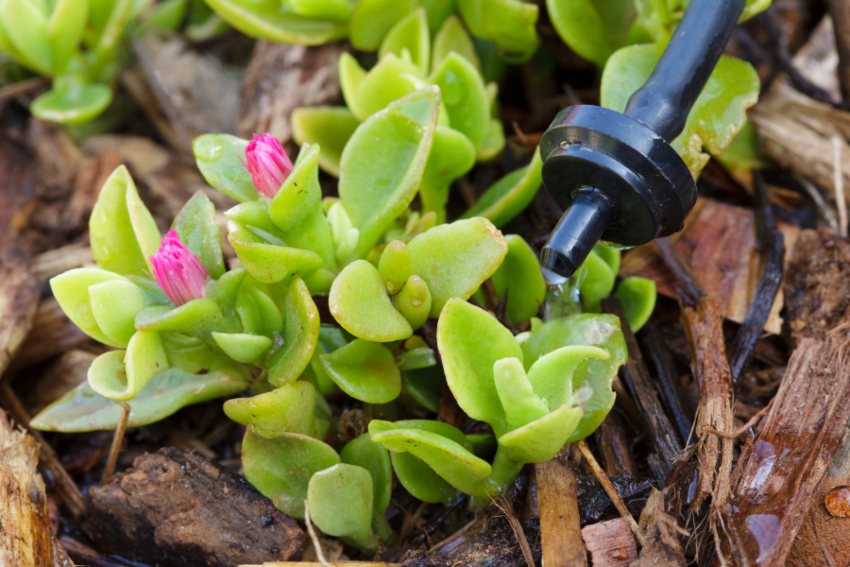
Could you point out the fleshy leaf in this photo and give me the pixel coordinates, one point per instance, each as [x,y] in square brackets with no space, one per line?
[448,458]
[340,501]
[520,403]
[71,290]
[383,163]
[519,281]
[328,126]
[453,37]
[597,282]
[594,30]
[300,335]
[120,375]
[455,259]
[114,305]
[362,452]
[220,159]
[471,340]
[540,440]
[270,263]
[281,468]
[364,370]
[637,295]
[196,317]
[410,34]
[510,195]
[462,92]
[82,409]
[452,155]
[551,376]
[290,408]
[72,102]
[414,301]
[196,226]
[372,19]
[395,266]
[718,114]
[360,304]
[509,23]
[264,19]
[243,347]
[122,231]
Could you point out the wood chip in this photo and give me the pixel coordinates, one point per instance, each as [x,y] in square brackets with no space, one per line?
[186,510]
[610,543]
[55,334]
[560,527]
[717,243]
[281,78]
[26,538]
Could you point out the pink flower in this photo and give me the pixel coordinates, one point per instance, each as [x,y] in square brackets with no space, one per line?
[267,163]
[178,271]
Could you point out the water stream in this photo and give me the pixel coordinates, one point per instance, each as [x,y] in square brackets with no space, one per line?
[562,296]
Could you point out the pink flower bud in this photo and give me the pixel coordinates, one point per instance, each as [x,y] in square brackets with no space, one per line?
[267,163]
[178,271]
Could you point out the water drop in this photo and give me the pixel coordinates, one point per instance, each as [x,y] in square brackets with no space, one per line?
[208,148]
[562,296]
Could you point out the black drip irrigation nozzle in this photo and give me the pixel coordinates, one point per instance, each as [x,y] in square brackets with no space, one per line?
[615,174]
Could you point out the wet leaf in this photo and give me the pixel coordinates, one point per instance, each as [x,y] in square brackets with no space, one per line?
[383,163]
[455,259]
[220,159]
[122,231]
[281,468]
[340,501]
[360,304]
[463,94]
[82,409]
[364,370]
[718,114]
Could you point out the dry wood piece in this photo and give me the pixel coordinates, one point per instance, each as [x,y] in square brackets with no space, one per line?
[779,471]
[315,564]
[661,547]
[19,291]
[281,78]
[26,539]
[186,510]
[488,541]
[610,543]
[55,261]
[817,286]
[717,244]
[560,527]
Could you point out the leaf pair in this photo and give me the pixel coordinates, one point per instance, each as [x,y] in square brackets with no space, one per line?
[414,281]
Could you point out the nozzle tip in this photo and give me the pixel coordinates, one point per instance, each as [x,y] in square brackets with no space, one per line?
[579,229]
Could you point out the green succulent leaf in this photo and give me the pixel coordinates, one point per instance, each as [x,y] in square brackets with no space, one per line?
[592,379]
[414,301]
[71,290]
[471,340]
[25,29]
[281,468]
[364,370]
[196,226]
[595,30]
[425,386]
[597,281]
[122,231]
[243,347]
[360,304]
[542,439]
[114,305]
[322,9]
[361,451]
[120,375]
[291,408]
[452,155]
[464,96]
[391,79]
[511,24]
[453,38]
[551,375]
[340,501]
[455,259]
[410,35]
[327,126]
[272,262]
[65,30]
[446,457]
[371,20]
[519,281]
[82,409]
[718,114]
[300,335]
[519,401]
[637,296]
[71,102]
[395,266]
[383,163]
[196,317]
[264,19]
[220,159]
[510,195]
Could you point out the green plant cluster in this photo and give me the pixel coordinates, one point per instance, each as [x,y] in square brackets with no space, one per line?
[385,270]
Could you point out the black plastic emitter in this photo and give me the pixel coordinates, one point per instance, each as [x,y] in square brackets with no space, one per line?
[616,174]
